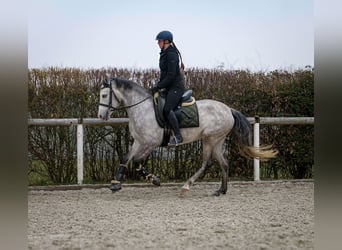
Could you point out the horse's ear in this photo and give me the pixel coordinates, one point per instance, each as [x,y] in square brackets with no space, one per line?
[104,83]
[107,78]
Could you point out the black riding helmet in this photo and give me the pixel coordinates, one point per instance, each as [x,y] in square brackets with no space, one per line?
[165,35]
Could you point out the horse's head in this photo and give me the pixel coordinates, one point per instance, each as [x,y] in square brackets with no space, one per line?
[108,100]
[120,93]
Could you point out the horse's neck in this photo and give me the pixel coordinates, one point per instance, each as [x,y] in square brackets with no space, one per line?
[132,98]
[141,108]
[126,99]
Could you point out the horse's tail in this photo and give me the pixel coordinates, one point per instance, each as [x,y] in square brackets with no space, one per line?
[243,131]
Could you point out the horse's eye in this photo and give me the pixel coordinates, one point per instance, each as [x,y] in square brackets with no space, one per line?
[104,96]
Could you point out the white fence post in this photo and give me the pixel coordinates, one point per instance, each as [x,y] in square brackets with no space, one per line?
[256,144]
[79,153]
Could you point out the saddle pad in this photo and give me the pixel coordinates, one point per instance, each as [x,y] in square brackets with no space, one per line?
[188,116]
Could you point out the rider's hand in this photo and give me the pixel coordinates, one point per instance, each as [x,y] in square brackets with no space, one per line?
[154,89]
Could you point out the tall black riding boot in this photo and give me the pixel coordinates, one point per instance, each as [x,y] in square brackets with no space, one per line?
[177,139]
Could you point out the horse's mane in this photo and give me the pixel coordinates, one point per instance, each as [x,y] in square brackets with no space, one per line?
[129,85]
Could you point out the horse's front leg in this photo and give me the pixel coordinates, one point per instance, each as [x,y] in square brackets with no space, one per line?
[155,180]
[138,153]
[115,184]
[140,157]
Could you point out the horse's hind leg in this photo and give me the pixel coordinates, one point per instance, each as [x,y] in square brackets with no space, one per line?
[219,156]
[207,149]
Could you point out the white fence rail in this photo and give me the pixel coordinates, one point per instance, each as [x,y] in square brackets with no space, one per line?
[256,121]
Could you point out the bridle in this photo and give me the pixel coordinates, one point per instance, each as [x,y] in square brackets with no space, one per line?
[112,93]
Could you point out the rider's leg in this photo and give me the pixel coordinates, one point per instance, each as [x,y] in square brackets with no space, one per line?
[172,100]
[175,127]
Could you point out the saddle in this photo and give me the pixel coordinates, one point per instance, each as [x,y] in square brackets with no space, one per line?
[186,112]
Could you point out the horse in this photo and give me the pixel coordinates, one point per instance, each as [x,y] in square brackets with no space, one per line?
[216,122]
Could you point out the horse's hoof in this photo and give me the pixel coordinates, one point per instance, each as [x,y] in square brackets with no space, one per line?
[156,180]
[216,193]
[115,186]
[219,192]
[184,192]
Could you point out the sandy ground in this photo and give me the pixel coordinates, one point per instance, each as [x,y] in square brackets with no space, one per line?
[267,215]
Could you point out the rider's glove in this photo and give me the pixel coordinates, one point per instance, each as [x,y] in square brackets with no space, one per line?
[154,89]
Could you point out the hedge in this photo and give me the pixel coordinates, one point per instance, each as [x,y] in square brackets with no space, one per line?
[74,93]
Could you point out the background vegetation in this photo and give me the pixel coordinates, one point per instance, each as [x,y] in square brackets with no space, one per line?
[73,93]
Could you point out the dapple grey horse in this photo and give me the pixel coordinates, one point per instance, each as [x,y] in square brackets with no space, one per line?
[216,122]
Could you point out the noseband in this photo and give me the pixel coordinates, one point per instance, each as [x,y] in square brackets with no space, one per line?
[109,105]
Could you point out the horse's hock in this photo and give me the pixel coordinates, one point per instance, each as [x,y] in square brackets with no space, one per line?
[268,215]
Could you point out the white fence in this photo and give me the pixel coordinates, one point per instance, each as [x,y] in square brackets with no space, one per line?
[256,121]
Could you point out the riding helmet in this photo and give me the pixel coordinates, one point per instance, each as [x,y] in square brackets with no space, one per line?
[165,35]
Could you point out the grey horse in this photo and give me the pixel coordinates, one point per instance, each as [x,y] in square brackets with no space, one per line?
[216,122]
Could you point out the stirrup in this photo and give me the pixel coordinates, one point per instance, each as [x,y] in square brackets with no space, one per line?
[175,142]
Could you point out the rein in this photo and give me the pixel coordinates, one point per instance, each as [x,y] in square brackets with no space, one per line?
[117,99]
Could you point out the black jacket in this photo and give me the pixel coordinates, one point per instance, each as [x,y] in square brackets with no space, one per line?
[170,76]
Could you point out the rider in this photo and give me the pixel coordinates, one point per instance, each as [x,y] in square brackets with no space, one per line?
[171,80]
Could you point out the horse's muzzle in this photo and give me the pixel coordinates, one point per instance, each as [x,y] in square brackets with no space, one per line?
[105,117]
